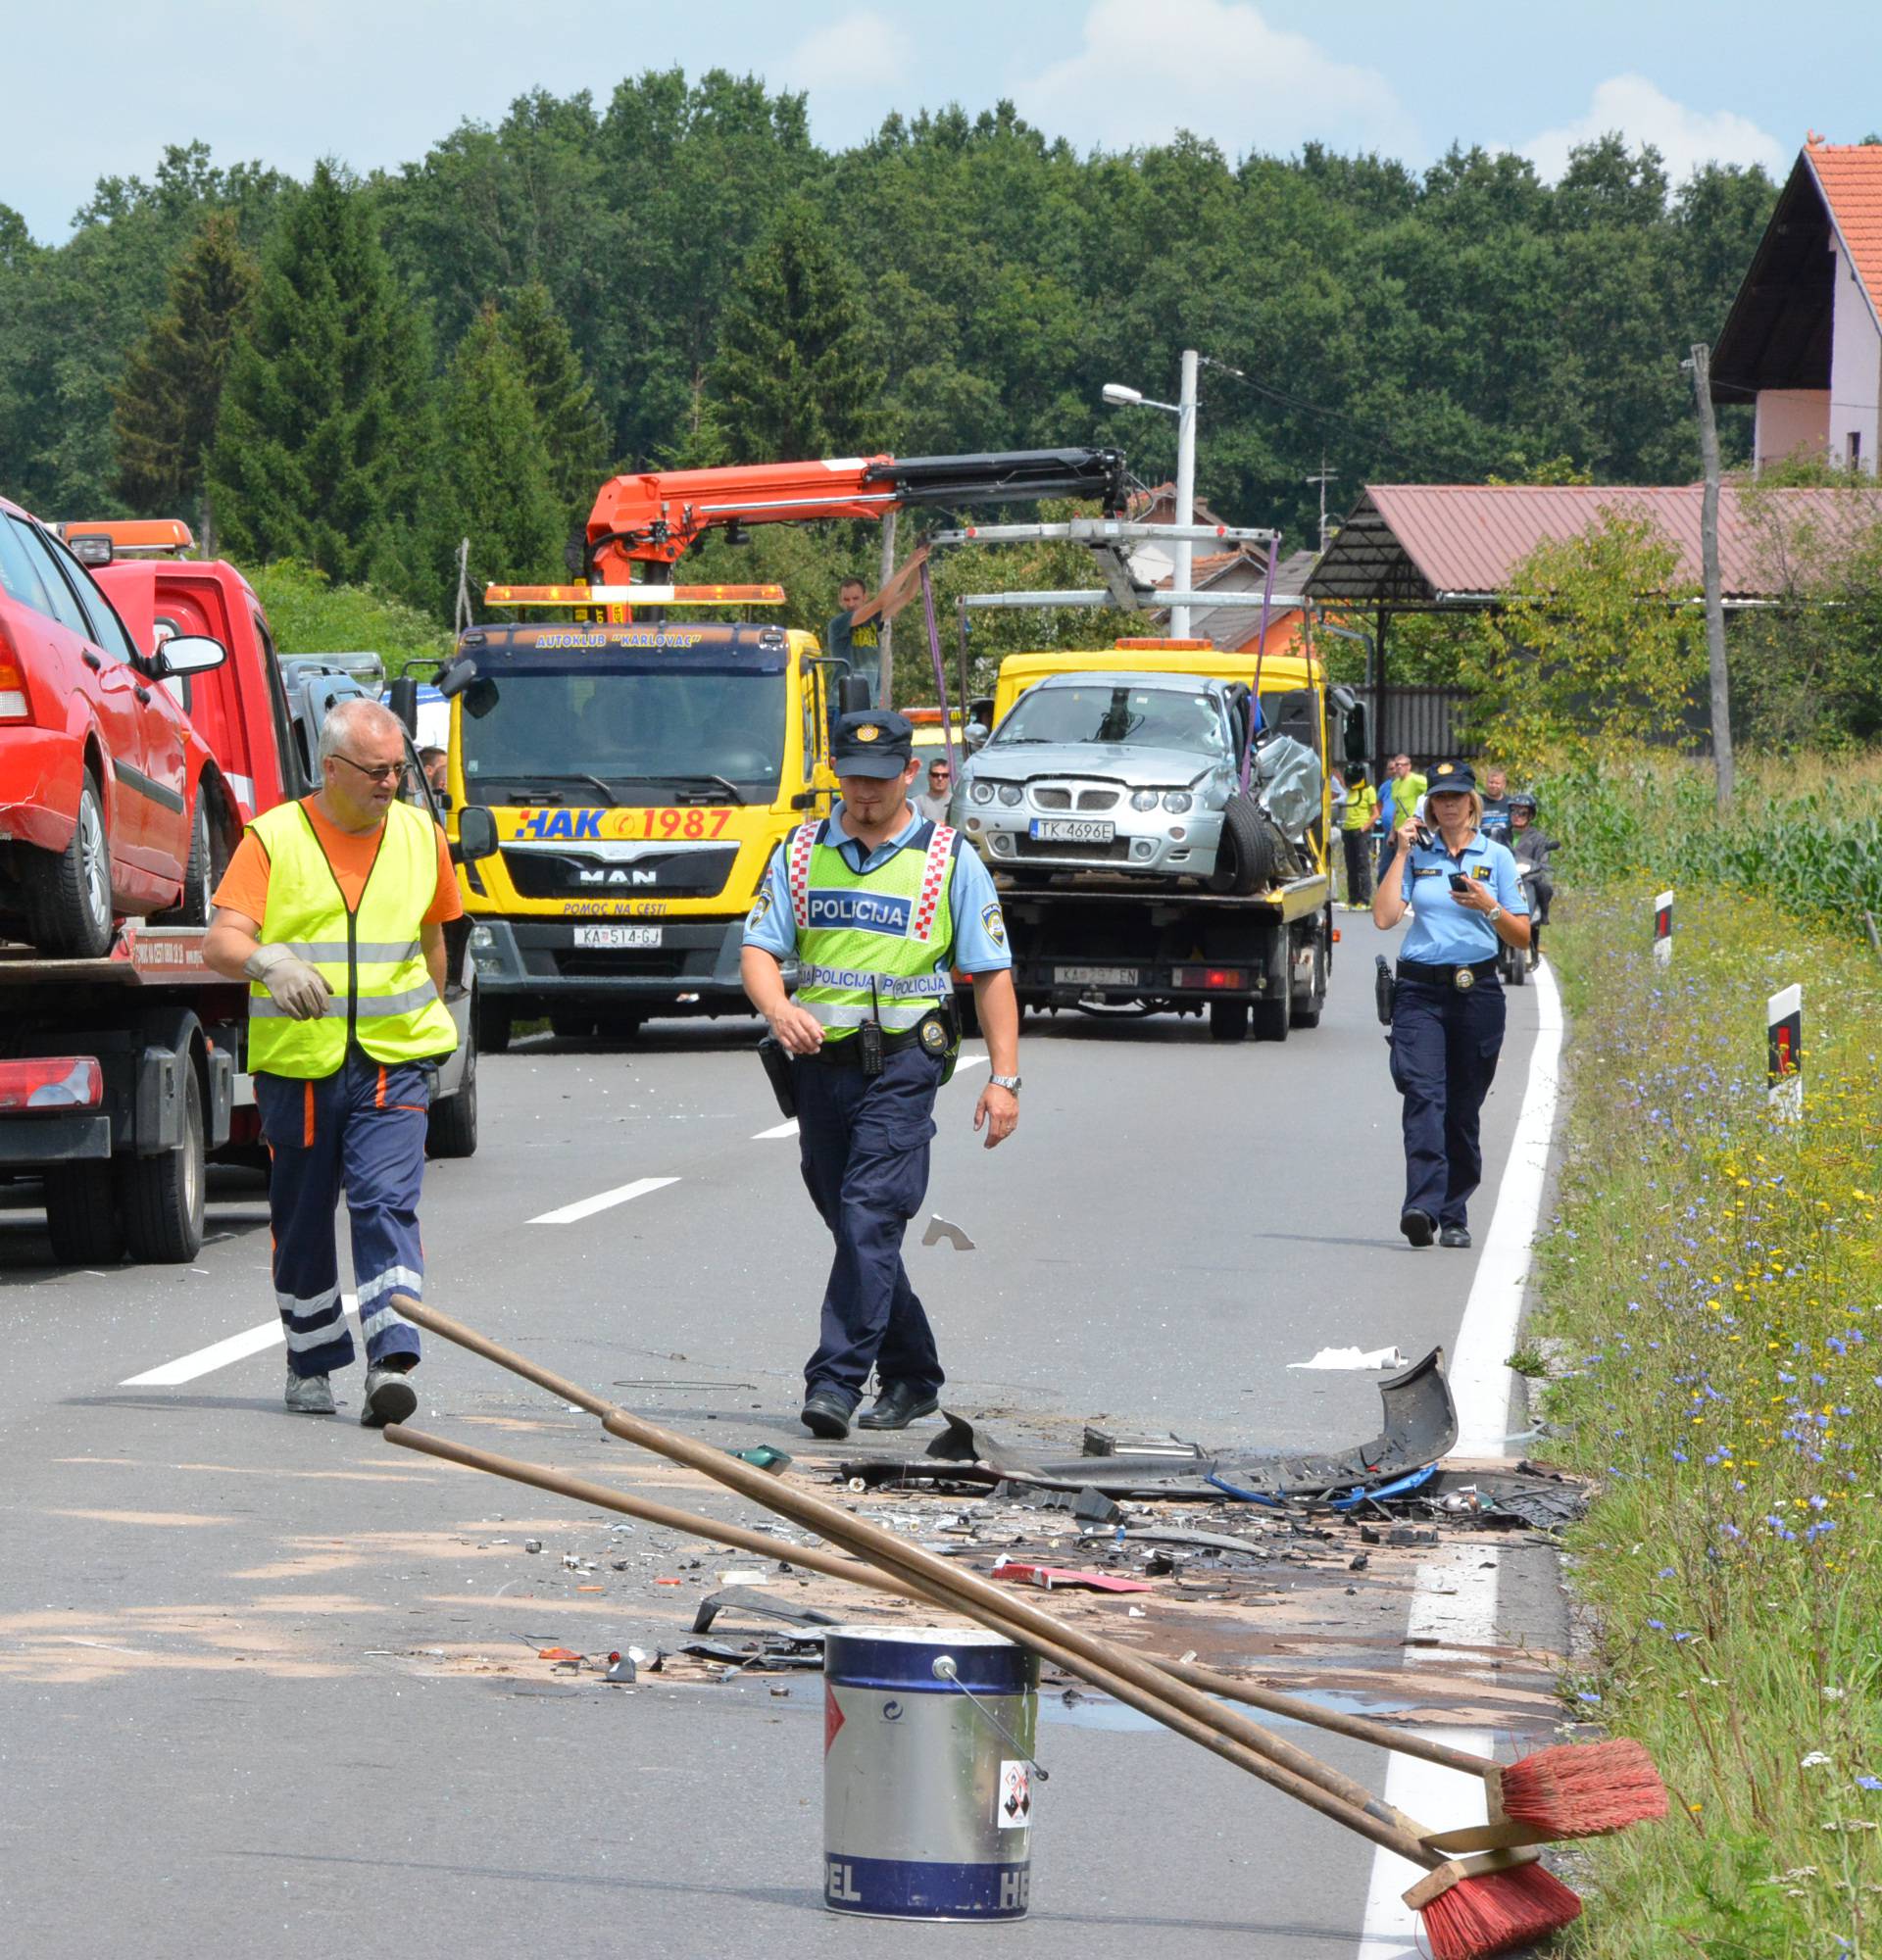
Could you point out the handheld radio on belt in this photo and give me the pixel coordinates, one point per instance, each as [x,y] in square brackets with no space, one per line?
[1382,985]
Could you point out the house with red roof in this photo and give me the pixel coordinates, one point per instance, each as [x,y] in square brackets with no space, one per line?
[1803,341]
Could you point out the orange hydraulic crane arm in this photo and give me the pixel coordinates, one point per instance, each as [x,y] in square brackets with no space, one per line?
[652,517]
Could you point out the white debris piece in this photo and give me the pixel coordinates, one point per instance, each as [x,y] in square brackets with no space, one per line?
[940,1228]
[1353,1358]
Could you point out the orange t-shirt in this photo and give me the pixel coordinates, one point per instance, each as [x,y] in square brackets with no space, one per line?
[244,886]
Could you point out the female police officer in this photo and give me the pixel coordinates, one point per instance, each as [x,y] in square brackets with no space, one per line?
[1448,1006]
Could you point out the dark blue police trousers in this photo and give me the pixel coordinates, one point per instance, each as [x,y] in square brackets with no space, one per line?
[1445,1045]
[864,1144]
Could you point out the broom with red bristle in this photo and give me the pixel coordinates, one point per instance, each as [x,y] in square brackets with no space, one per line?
[1474,1907]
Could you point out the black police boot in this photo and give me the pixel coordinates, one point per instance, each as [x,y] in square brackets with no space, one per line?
[1455,1235]
[1419,1227]
[826,1413]
[897,1406]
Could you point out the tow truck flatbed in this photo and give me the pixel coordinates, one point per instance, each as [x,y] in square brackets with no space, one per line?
[142,956]
[1295,900]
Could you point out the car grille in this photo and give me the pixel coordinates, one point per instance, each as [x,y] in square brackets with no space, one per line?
[1097,798]
[1051,848]
[1064,796]
[1049,798]
[672,875]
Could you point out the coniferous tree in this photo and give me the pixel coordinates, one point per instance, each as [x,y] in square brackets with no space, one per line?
[322,450]
[495,484]
[166,401]
[793,372]
[574,435]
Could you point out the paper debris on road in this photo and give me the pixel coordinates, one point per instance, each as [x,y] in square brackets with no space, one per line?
[939,1228]
[1353,1358]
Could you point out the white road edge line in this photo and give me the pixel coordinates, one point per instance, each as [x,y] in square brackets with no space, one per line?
[586,1207]
[1456,1593]
[220,1354]
[790,1129]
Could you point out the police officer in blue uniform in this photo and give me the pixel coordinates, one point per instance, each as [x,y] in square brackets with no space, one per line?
[880,908]
[1446,1003]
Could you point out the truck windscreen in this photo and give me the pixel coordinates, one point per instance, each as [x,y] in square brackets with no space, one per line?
[652,735]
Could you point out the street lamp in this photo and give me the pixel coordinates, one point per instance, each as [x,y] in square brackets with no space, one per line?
[1117,396]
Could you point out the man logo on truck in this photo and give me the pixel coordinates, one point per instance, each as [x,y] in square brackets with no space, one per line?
[616,874]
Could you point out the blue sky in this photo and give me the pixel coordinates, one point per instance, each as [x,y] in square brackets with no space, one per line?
[289,80]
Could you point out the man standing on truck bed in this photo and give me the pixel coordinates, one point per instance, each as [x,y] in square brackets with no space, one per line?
[335,909]
[879,906]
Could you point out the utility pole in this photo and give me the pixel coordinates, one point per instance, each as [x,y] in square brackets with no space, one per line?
[885,661]
[1181,573]
[1701,365]
[1322,478]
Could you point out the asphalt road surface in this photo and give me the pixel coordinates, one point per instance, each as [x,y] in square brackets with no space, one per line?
[269,1686]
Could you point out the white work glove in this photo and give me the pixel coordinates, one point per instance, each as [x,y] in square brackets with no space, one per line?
[292,984]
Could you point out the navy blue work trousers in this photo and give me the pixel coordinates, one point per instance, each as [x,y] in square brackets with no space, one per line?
[360,1129]
[864,1145]
[1445,1045]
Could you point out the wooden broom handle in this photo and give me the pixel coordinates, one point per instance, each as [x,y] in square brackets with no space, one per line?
[1126,1676]
[1381,1735]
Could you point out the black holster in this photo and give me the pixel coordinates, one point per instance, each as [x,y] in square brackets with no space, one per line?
[777,1063]
[1382,986]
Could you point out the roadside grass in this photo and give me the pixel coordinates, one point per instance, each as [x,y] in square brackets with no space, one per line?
[1806,830]
[1714,1273]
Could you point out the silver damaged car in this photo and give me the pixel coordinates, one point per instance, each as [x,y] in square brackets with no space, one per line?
[1115,772]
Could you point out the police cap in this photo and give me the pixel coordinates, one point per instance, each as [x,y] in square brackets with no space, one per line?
[874,742]
[1452,779]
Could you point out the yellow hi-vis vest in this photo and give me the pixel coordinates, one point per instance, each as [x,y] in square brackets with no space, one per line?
[872,945]
[372,958]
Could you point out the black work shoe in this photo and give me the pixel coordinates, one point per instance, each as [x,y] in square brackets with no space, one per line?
[1419,1227]
[897,1406]
[1455,1235]
[827,1415]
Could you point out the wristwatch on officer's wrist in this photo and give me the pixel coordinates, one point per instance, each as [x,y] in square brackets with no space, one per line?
[1009,1083]
[1493,914]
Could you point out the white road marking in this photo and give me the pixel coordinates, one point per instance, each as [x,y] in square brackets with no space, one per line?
[586,1207]
[1456,1595]
[220,1353]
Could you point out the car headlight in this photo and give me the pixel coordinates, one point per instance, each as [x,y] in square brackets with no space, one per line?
[980,792]
[482,938]
[1009,793]
[1178,801]
[1143,799]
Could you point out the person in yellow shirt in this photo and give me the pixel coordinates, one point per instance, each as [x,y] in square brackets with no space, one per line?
[1361,814]
[1399,797]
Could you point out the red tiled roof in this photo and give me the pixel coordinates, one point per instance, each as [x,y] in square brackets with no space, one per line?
[1850,177]
[1415,542]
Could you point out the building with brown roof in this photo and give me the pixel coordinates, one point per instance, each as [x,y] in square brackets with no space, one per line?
[1804,339]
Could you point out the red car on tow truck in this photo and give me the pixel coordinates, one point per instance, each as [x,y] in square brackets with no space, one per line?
[122,1073]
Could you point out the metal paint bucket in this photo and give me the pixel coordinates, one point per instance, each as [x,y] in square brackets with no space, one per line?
[927,1772]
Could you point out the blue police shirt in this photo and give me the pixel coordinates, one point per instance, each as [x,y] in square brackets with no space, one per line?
[1445,933]
[979,930]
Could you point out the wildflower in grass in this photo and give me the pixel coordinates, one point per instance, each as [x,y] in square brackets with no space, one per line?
[1815,1760]
[1868,1783]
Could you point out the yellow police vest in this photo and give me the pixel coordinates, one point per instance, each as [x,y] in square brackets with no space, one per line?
[372,959]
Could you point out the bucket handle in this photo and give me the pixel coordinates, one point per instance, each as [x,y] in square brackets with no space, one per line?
[945,1670]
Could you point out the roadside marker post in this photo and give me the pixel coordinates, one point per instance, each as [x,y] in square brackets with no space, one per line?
[1784,1052]
[1664,929]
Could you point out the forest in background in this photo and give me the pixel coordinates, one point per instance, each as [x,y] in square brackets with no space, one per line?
[359,371]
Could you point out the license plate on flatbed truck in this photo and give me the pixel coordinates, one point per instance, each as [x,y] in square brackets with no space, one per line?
[1072,830]
[1098,976]
[613,937]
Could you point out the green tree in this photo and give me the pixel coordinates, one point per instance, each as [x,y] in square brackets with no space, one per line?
[324,449]
[792,372]
[573,434]
[1595,647]
[172,388]
[494,475]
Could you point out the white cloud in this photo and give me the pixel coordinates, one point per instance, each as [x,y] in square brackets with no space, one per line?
[1217,68]
[1686,139]
[862,50]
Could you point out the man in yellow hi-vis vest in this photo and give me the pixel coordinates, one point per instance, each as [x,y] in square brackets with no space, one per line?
[334,908]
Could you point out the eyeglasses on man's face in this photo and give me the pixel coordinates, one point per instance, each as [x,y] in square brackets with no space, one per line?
[387,772]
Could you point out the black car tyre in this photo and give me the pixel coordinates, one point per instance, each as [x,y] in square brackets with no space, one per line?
[494,1024]
[452,1131]
[1248,854]
[1303,1010]
[81,1213]
[162,1196]
[68,893]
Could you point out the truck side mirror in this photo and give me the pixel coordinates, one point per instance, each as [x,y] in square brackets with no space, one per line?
[402,697]
[854,695]
[1357,738]
[476,835]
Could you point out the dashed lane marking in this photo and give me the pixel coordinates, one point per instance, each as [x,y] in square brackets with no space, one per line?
[220,1353]
[603,1200]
